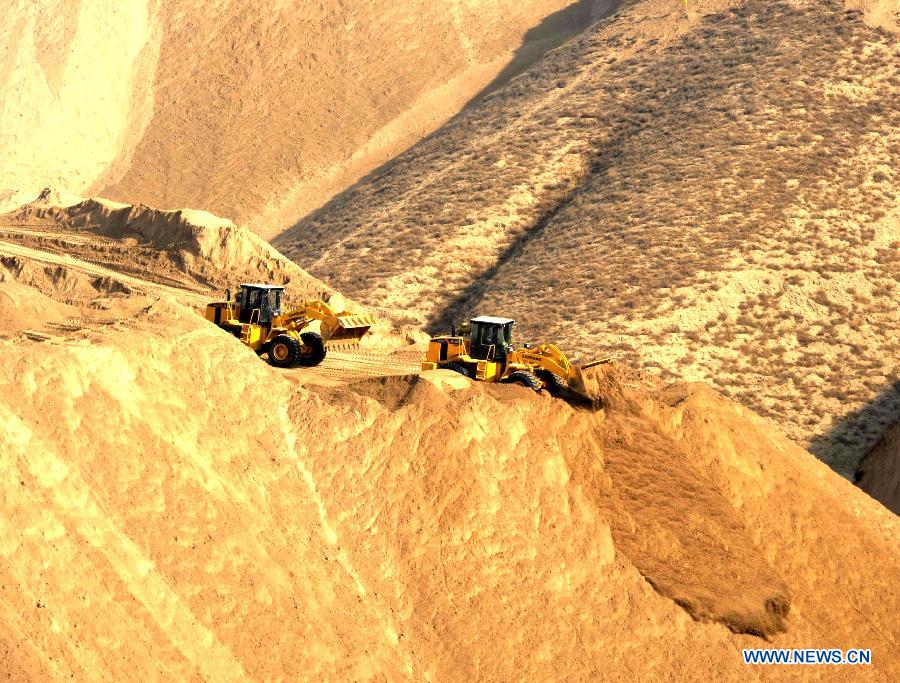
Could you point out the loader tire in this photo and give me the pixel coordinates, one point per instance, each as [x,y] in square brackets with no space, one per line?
[526,379]
[553,382]
[312,351]
[284,351]
[461,368]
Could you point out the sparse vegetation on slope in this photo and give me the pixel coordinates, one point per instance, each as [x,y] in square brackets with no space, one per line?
[713,196]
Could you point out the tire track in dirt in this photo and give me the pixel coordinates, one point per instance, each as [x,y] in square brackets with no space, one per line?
[91,268]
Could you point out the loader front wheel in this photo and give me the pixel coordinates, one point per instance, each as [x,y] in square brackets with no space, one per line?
[526,379]
[284,350]
[312,352]
[554,382]
[461,368]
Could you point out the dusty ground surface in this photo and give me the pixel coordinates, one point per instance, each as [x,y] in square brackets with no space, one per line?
[74,249]
[176,508]
[258,111]
[175,250]
[710,192]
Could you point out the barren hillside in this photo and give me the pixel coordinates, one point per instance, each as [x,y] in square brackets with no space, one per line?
[258,111]
[175,251]
[710,192]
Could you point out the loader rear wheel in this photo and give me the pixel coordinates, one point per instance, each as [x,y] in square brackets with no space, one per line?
[312,352]
[461,368]
[554,382]
[284,350]
[526,379]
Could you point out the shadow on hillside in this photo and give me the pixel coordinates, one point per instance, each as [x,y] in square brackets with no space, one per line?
[859,430]
[878,476]
[552,32]
[460,306]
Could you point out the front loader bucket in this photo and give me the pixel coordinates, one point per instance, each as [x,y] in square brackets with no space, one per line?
[578,386]
[346,330]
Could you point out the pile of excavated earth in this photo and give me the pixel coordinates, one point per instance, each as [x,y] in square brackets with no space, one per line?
[176,508]
[91,253]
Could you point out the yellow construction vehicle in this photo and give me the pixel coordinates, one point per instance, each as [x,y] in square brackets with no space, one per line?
[483,351]
[255,317]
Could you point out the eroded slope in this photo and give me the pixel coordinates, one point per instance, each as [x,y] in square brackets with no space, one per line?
[879,472]
[184,249]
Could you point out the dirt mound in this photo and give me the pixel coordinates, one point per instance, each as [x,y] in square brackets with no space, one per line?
[662,189]
[879,472]
[81,251]
[24,308]
[166,519]
[56,281]
[212,250]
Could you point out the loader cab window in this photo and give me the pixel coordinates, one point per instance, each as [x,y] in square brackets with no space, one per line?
[268,301]
[507,336]
[272,302]
[486,335]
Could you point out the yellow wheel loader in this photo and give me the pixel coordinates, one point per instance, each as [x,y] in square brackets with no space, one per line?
[483,351]
[255,317]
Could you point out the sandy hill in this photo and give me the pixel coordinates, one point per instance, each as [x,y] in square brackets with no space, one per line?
[96,253]
[710,191]
[174,508]
[258,111]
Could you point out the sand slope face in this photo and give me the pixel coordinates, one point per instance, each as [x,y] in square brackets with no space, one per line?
[879,472]
[74,93]
[175,507]
[712,193]
[199,515]
[96,253]
[256,111]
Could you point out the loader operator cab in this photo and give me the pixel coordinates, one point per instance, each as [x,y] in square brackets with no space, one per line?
[263,298]
[491,338]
